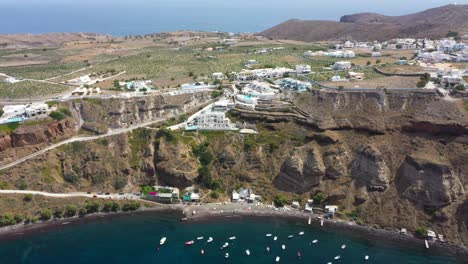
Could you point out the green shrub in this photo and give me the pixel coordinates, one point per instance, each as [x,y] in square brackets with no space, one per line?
[71,177]
[421,231]
[97,178]
[45,214]
[58,212]
[28,197]
[7,219]
[319,198]
[204,176]
[131,206]
[82,212]
[111,207]
[145,190]
[19,218]
[70,210]
[92,207]
[56,115]
[280,201]
[120,182]
[22,185]
[214,195]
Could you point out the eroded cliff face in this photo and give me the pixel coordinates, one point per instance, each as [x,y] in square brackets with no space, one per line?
[389,159]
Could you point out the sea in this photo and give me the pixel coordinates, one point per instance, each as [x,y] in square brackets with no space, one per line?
[135,239]
[134,17]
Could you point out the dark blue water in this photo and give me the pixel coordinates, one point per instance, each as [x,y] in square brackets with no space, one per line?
[135,239]
[124,17]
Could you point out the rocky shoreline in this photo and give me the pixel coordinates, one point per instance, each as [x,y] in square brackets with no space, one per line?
[228,212]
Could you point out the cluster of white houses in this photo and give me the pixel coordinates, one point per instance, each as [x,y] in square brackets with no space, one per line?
[334,54]
[171,195]
[245,195]
[19,113]
[255,74]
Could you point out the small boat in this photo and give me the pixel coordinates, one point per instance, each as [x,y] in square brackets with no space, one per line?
[210,239]
[277,259]
[343,246]
[299,254]
[310,220]
[202,252]
[366,257]
[337,257]
[162,241]
[321,222]
[225,245]
[232,238]
[200,238]
[247,252]
[301,233]
[268,249]
[188,243]
[275,238]
[426,243]
[283,247]
[314,241]
[290,236]
[226,255]
[268,235]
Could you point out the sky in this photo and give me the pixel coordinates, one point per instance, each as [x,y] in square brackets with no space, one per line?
[146,16]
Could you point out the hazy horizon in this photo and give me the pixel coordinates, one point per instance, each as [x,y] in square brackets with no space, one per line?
[122,17]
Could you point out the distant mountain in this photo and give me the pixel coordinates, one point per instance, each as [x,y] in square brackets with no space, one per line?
[49,40]
[432,23]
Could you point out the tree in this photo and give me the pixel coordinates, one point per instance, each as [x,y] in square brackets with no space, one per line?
[70,177]
[214,195]
[7,219]
[82,212]
[145,190]
[459,87]
[45,214]
[57,115]
[204,175]
[421,231]
[368,63]
[280,201]
[378,61]
[22,185]
[117,84]
[70,210]
[319,198]
[120,182]
[452,34]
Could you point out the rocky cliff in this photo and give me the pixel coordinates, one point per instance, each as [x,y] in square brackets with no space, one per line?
[389,159]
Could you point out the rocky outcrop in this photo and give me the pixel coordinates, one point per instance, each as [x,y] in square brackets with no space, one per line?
[428,181]
[369,167]
[302,169]
[37,134]
[174,164]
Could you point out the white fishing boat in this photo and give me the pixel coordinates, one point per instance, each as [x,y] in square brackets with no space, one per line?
[210,239]
[226,255]
[200,238]
[268,249]
[310,220]
[321,222]
[232,238]
[268,235]
[225,245]
[366,257]
[315,241]
[337,257]
[247,252]
[290,236]
[275,238]
[343,246]
[162,241]
[283,247]
[277,259]
[426,243]
[301,233]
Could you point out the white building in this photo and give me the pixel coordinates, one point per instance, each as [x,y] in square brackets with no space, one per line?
[302,69]
[248,75]
[348,45]
[261,90]
[355,76]
[342,65]
[294,85]
[376,54]
[18,113]
[197,86]
[217,75]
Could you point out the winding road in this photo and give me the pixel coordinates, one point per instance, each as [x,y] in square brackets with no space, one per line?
[73,194]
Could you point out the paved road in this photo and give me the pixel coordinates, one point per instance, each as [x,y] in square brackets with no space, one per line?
[127,196]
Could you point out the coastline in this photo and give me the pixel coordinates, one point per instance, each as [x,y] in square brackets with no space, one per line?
[236,212]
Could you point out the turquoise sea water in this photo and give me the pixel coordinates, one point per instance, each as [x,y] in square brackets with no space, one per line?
[135,239]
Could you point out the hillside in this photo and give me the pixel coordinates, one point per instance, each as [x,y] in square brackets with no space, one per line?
[432,23]
[49,40]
